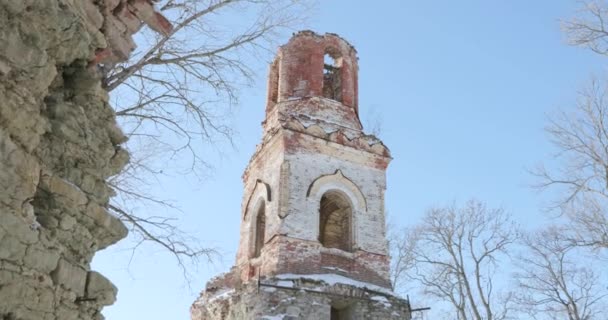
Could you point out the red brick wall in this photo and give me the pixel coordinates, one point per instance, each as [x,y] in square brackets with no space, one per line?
[309,257]
[300,67]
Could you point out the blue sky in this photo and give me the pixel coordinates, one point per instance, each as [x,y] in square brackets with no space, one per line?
[461,89]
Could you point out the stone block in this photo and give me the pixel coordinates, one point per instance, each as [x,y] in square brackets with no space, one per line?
[11,249]
[70,276]
[4,68]
[92,12]
[121,45]
[66,190]
[112,228]
[129,19]
[18,228]
[46,299]
[65,313]
[67,222]
[43,260]
[100,288]
[120,159]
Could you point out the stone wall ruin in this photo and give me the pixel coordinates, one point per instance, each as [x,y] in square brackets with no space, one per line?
[59,142]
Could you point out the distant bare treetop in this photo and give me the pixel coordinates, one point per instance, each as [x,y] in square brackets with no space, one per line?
[581,139]
[555,280]
[588,29]
[454,255]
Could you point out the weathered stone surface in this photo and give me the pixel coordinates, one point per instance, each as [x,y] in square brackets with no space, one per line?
[43,261]
[59,142]
[70,276]
[100,289]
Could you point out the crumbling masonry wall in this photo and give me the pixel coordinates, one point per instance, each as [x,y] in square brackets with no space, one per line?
[297,299]
[58,144]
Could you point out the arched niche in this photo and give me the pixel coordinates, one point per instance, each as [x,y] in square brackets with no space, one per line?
[261,190]
[258,229]
[338,181]
[336,221]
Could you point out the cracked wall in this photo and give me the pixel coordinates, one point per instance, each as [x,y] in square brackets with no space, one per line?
[58,144]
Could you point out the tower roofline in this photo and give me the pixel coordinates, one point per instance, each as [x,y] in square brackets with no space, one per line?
[314,65]
[327,35]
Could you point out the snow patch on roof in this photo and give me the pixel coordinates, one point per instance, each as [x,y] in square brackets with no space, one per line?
[277,317]
[383,300]
[285,283]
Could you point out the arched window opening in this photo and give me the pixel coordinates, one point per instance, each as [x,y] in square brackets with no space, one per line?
[332,76]
[260,230]
[335,221]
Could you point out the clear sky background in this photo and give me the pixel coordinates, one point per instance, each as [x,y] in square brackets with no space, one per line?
[461,89]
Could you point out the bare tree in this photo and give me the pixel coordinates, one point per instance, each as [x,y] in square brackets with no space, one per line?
[456,255]
[588,29]
[581,140]
[401,247]
[400,243]
[556,281]
[173,99]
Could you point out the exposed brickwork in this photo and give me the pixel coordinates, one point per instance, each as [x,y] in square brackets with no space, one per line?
[299,65]
[119,20]
[322,181]
[309,257]
[58,144]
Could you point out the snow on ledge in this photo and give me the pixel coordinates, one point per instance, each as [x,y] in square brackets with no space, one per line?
[332,279]
[277,317]
[335,269]
[221,295]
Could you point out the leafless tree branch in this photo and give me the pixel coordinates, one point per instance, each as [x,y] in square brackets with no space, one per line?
[588,28]
[556,281]
[581,138]
[174,97]
[454,255]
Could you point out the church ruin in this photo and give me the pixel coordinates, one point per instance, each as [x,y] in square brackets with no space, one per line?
[312,239]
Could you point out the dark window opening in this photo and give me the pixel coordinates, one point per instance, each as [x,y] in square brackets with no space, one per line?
[335,314]
[260,231]
[332,77]
[340,313]
[335,221]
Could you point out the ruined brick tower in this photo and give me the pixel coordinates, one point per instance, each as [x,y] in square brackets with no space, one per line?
[313,242]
